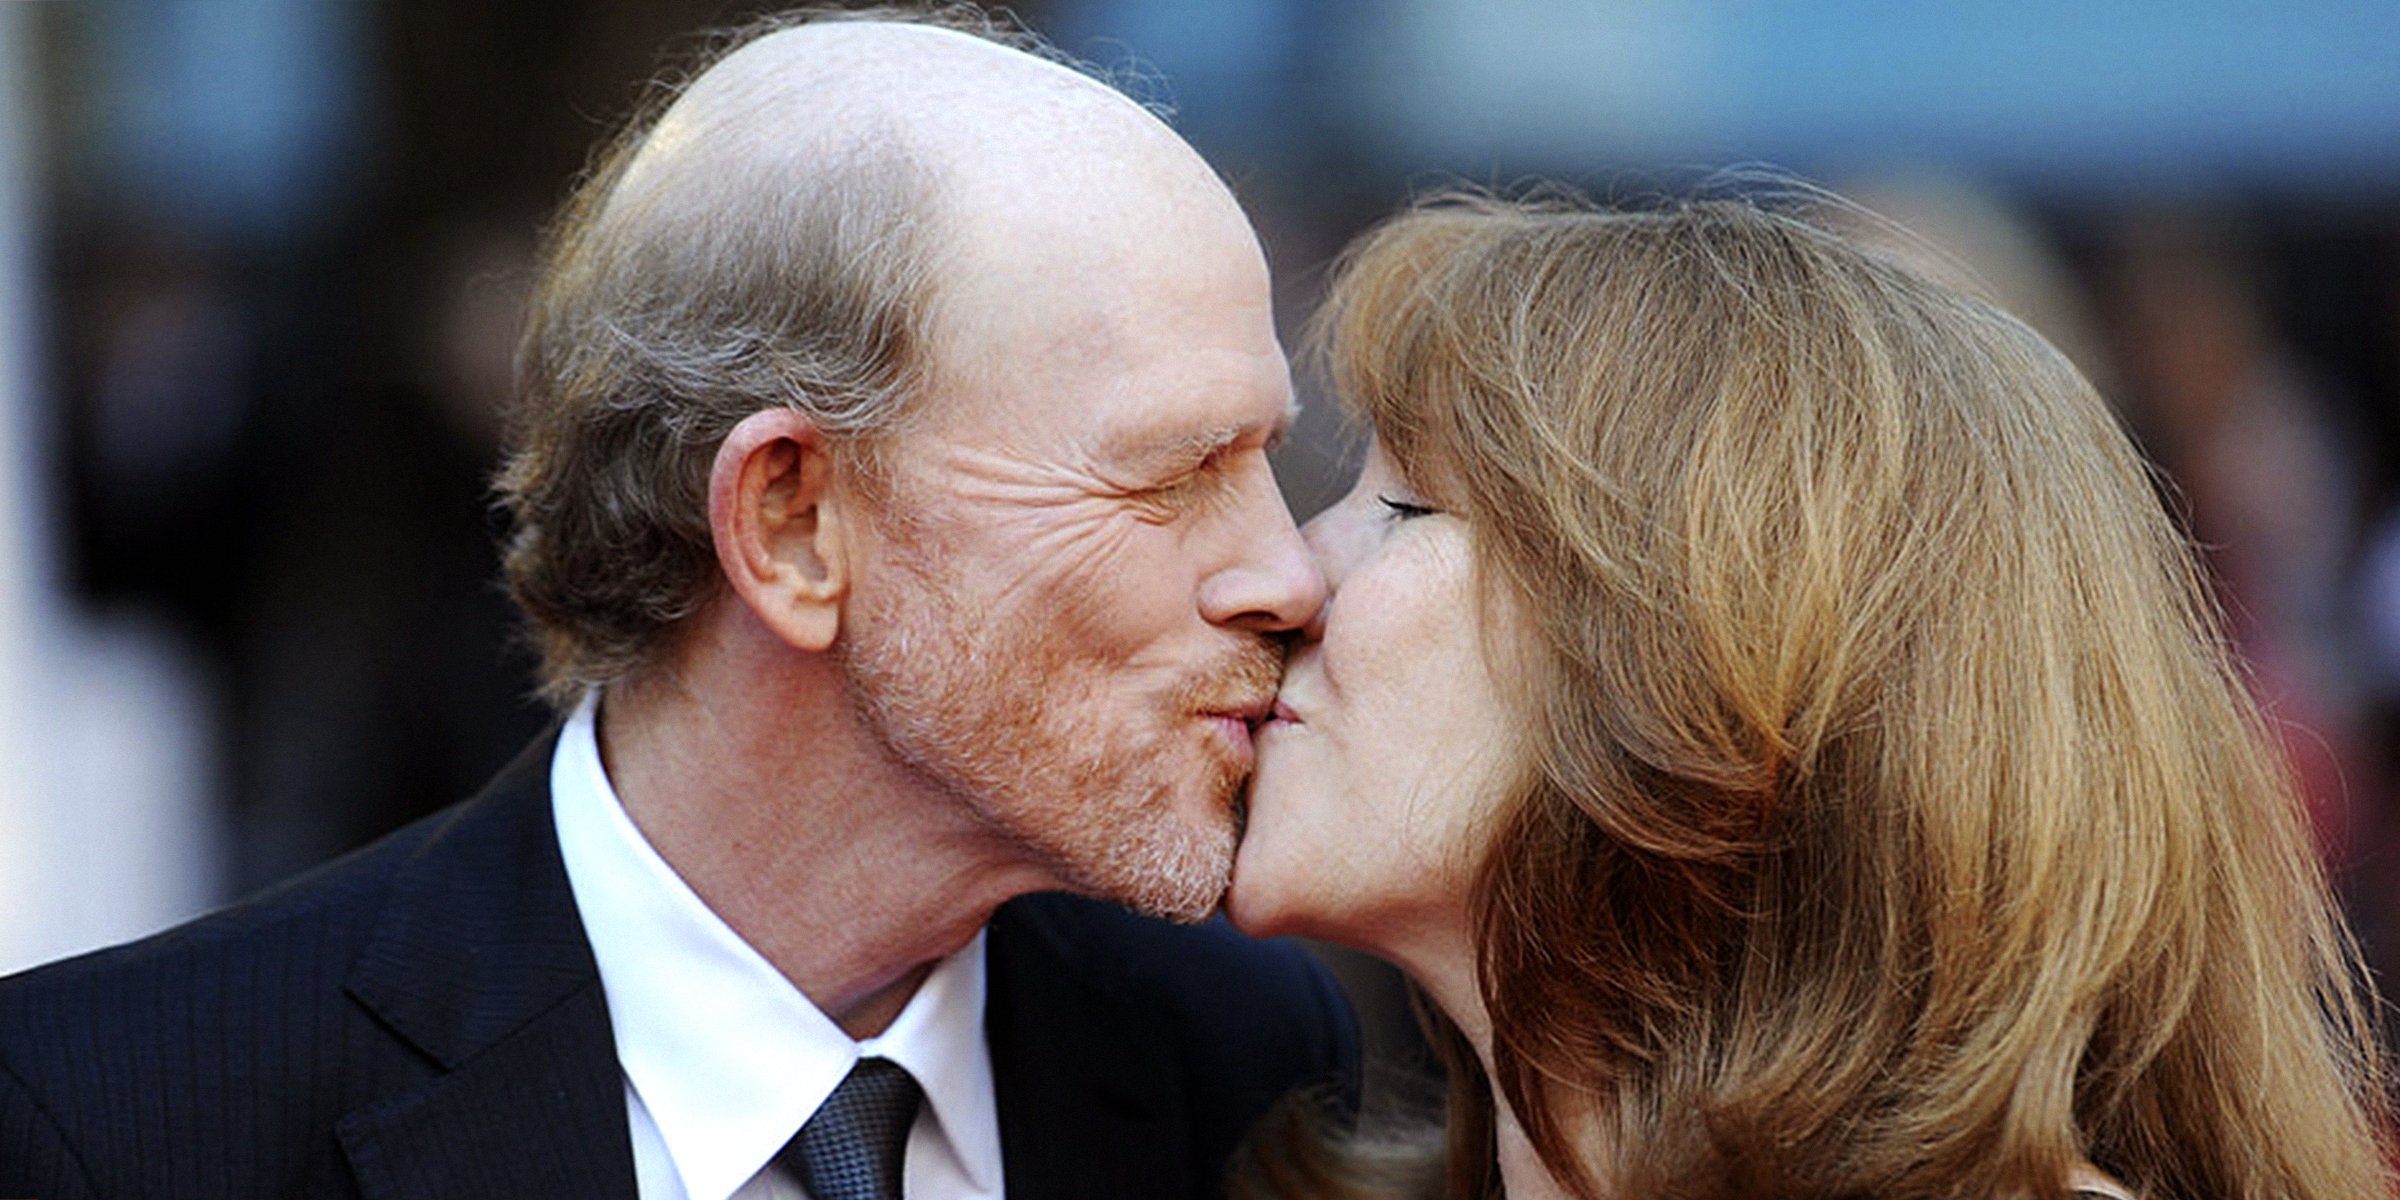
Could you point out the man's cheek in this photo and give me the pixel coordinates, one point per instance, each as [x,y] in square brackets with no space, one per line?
[1083,563]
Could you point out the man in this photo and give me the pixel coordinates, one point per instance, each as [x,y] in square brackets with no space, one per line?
[892,505]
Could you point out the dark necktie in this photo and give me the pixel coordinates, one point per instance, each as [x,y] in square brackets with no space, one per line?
[853,1147]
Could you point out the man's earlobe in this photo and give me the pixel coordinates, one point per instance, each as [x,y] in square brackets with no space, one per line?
[777,516]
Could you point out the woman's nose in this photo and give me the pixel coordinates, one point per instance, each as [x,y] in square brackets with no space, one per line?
[1333,541]
[1333,538]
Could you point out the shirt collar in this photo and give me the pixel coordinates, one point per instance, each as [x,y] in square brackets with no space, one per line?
[939,1037]
[725,1053]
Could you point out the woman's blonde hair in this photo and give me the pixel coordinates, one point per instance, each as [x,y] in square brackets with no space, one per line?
[1895,821]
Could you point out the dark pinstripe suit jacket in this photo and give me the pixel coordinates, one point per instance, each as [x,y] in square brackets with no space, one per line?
[423,1019]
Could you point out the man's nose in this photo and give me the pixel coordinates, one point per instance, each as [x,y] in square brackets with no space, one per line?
[1272,585]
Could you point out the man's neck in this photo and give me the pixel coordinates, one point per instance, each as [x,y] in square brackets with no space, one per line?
[842,868]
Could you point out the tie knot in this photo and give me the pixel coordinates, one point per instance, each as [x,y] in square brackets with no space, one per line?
[853,1147]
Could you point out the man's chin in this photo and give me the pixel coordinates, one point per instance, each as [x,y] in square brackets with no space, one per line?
[1176,873]
[1182,908]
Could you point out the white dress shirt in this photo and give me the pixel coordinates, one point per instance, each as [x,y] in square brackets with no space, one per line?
[723,1057]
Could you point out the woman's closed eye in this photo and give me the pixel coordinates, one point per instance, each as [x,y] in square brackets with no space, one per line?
[1405,510]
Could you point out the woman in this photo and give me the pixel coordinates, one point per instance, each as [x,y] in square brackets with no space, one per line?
[1766,708]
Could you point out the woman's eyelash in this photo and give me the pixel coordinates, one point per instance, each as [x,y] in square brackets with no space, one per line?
[1406,510]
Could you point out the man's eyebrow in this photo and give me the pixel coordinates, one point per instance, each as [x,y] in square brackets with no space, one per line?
[1199,446]
[1196,448]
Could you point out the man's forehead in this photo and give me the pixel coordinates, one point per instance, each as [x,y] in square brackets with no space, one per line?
[1179,399]
[1158,346]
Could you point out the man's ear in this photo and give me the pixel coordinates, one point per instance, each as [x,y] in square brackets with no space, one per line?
[779,525]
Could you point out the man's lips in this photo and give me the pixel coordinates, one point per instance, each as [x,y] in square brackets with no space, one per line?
[1237,723]
[1251,714]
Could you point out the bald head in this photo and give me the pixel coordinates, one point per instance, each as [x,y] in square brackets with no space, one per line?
[828,218]
[834,90]
[1009,162]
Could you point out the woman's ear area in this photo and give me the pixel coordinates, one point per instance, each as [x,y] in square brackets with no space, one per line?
[777,519]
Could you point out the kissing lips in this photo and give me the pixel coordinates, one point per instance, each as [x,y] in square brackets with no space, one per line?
[1233,727]
[1281,716]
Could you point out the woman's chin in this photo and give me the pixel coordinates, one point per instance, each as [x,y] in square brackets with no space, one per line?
[1250,901]
[1273,894]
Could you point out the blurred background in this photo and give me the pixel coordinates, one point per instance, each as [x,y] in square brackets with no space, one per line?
[261,263]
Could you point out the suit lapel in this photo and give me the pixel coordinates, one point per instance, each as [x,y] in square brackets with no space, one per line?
[1088,1106]
[480,962]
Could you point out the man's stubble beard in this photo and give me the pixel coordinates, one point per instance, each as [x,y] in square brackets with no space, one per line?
[995,722]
